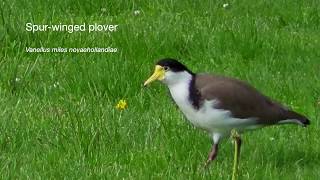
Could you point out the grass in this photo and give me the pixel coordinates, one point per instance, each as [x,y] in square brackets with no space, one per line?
[58,118]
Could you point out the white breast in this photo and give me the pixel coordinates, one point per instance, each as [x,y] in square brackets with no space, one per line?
[206,117]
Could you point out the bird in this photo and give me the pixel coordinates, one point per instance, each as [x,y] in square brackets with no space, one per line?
[218,104]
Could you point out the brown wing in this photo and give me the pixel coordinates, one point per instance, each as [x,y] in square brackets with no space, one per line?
[240,98]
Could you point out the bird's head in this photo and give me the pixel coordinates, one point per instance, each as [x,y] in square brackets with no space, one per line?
[169,71]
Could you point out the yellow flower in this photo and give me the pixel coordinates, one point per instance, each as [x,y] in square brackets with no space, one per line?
[122,104]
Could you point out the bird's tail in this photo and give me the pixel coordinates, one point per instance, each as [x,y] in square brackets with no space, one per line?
[294,117]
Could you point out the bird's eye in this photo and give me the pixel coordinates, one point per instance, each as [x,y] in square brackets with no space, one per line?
[166,68]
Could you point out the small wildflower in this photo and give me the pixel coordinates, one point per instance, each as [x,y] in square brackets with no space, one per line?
[272,139]
[136,12]
[225,5]
[56,84]
[17,79]
[122,105]
[103,10]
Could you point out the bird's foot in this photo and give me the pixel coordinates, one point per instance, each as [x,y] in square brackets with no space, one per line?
[207,164]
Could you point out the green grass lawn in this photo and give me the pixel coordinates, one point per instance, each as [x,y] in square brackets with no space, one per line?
[57,110]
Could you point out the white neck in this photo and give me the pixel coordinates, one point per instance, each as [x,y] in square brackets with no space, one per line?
[177,78]
[179,89]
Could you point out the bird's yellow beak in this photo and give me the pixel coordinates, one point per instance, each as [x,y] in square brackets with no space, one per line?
[158,74]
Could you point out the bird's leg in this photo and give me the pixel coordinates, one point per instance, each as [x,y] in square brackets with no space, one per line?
[214,149]
[237,146]
[212,155]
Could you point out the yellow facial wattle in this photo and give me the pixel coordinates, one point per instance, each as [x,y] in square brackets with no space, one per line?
[158,74]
